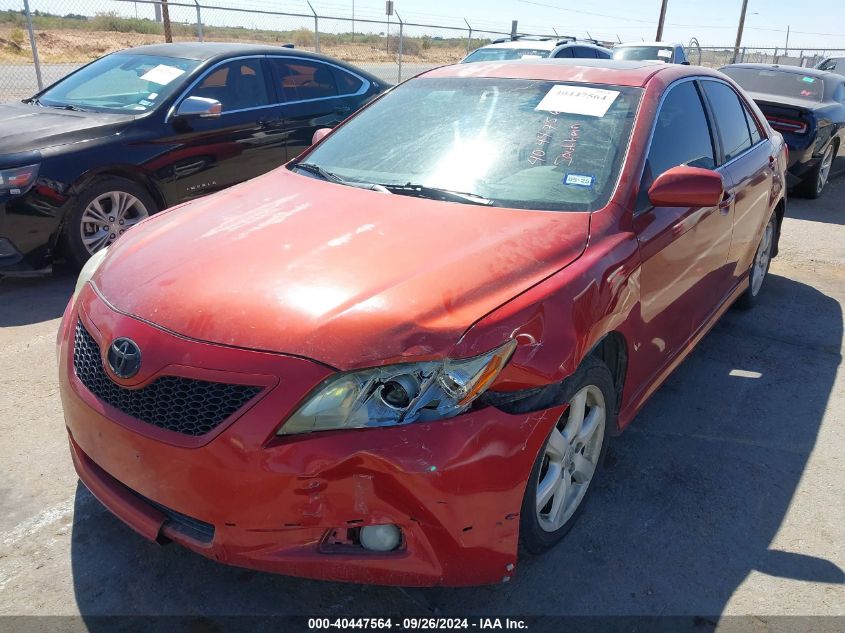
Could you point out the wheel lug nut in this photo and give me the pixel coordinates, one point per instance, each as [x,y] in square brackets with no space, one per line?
[121,222]
[111,219]
[113,236]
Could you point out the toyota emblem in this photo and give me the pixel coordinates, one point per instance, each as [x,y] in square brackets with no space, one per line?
[124,357]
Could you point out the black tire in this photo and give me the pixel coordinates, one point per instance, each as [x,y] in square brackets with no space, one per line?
[814,184]
[533,538]
[73,246]
[748,299]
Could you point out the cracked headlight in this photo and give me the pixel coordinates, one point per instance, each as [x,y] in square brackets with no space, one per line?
[398,394]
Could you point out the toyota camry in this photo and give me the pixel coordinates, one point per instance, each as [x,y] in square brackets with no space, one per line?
[402,355]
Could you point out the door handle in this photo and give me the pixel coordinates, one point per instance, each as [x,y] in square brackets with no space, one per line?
[727,201]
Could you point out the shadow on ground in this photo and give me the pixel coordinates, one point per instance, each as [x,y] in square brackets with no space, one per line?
[34,299]
[694,494]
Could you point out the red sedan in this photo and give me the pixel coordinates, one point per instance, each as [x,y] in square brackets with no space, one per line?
[401,354]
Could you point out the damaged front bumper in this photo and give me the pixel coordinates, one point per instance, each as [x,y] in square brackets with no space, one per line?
[294,505]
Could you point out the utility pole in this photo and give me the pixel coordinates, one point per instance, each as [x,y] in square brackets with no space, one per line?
[353,20]
[786,49]
[661,20]
[739,30]
[165,16]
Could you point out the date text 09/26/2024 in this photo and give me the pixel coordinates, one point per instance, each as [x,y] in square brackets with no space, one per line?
[417,624]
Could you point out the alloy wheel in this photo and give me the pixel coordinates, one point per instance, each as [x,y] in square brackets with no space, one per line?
[570,458]
[107,217]
[762,259]
[824,169]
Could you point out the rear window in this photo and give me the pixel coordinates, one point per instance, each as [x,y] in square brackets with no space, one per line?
[794,85]
[501,54]
[644,53]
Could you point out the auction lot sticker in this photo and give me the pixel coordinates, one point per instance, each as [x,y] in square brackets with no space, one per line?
[578,100]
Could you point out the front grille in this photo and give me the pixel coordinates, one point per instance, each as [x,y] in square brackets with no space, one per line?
[183,405]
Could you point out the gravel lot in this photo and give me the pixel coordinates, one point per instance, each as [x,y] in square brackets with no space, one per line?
[724,497]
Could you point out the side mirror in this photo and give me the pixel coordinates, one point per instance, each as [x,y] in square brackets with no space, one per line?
[687,187]
[320,134]
[201,107]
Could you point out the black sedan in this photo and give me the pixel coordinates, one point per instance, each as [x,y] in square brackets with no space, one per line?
[807,106]
[140,130]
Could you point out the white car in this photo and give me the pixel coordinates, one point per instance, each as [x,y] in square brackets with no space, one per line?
[519,48]
[651,51]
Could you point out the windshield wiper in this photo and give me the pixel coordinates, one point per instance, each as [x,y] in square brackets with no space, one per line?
[436,193]
[311,168]
[33,101]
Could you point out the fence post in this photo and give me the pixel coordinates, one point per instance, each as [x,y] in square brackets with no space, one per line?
[742,59]
[401,42]
[199,20]
[165,16]
[469,36]
[316,29]
[34,46]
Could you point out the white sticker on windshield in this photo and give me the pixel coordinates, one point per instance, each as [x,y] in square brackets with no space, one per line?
[152,96]
[162,74]
[664,53]
[579,180]
[578,100]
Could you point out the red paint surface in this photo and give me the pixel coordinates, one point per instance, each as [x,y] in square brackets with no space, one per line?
[280,280]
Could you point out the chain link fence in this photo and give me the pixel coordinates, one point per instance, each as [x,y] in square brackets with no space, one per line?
[43,40]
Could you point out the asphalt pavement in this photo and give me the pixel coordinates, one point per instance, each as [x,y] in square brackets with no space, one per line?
[724,497]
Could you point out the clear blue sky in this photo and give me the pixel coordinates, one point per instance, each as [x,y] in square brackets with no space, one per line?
[814,23]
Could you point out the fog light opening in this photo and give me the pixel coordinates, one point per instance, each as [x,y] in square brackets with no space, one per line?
[380,538]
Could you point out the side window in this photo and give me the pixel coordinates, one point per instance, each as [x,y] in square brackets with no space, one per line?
[236,85]
[730,118]
[564,53]
[839,93]
[828,64]
[347,84]
[681,137]
[301,79]
[756,136]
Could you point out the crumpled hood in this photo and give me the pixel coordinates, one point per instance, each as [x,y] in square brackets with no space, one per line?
[29,127]
[345,276]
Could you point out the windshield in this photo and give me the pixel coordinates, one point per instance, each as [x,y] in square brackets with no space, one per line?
[516,143]
[120,83]
[501,54]
[777,82]
[644,53]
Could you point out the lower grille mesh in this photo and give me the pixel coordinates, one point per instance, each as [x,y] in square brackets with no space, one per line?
[183,405]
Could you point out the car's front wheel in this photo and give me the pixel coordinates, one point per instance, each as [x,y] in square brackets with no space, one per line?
[104,211]
[570,459]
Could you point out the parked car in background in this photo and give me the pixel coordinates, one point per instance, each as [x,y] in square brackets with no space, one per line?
[654,51]
[833,64]
[581,50]
[522,47]
[140,130]
[807,106]
[516,48]
[404,352]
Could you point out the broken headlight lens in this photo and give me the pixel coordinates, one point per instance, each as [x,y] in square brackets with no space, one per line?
[398,394]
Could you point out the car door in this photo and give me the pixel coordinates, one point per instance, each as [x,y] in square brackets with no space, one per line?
[748,158]
[210,153]
[683,250]
[313,94]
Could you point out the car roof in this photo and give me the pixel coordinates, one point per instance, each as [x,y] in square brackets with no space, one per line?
[795,70]
[584,44]
[204,51]
[647,44]
[525,43]
[599,71]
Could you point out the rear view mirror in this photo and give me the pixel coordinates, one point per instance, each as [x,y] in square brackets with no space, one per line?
[687,187]
[320,134]
[201,107]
